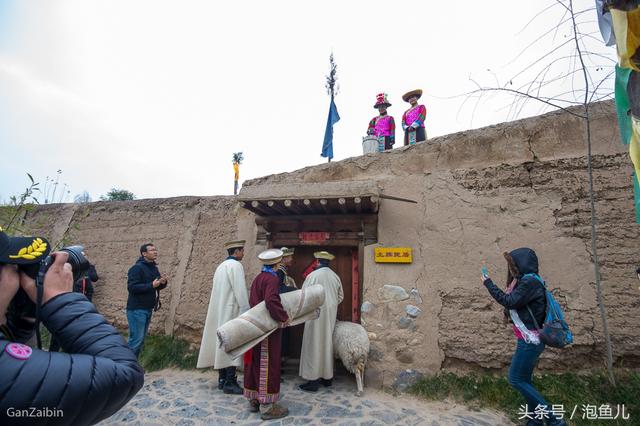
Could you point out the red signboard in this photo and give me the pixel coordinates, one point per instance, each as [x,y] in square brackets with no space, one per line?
[313,237]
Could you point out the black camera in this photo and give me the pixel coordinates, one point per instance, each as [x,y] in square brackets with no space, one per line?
[22,312]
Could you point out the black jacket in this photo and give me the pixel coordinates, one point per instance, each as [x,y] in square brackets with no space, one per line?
[85,284]
[140,279]
[96,376]
[528,290]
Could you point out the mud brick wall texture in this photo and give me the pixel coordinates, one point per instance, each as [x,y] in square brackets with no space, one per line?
[479,193]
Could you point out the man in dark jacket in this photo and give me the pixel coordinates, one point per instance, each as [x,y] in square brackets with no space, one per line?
[96,376]
[144,282]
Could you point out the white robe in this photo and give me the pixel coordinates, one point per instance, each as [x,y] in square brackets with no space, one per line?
[229,300]
[316,359]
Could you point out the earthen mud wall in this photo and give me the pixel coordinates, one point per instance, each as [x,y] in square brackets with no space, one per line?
[479,193]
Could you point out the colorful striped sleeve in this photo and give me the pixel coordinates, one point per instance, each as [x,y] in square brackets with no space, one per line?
[423,114]
[392,130]
[372,126]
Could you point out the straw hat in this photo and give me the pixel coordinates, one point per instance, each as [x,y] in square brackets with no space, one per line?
[417,93]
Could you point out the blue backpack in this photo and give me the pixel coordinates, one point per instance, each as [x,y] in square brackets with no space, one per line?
[555,331]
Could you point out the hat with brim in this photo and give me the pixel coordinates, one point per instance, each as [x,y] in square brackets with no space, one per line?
[270,257]
[234,244]
[414,93]
[323,255]
[287,251]
[22,250]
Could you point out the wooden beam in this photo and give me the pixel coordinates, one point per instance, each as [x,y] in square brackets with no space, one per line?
[307,204]
[260,208]
[292,206]
[324,204]
[279,242]
[358,202]
[366,217]
[374,203]
[390,197]
[342,203]
[275,206]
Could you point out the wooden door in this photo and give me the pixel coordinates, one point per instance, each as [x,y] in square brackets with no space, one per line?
[341,265]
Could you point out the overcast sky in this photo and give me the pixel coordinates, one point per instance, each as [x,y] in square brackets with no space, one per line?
[154,96]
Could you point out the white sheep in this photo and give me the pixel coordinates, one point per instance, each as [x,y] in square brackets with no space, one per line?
[351,345]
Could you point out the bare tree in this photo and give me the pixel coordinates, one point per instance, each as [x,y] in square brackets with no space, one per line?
[589,74]
[331,83]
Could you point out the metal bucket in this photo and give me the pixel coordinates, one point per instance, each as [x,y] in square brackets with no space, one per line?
[369,144]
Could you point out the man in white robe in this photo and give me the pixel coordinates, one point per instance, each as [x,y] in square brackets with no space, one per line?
[316,359]
[229,299]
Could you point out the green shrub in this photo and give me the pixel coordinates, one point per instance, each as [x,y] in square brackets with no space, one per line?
[160,352]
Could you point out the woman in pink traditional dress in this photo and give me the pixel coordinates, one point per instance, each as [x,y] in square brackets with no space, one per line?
[413,119]
[383,126]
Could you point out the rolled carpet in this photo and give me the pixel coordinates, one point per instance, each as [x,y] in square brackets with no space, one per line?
[244,332]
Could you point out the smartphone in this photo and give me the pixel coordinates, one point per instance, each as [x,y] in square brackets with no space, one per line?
[485,271]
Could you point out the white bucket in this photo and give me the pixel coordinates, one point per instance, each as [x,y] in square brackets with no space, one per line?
[369,144]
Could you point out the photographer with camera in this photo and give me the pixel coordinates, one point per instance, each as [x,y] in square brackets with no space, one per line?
[96,376]
[144,282]
[84,285]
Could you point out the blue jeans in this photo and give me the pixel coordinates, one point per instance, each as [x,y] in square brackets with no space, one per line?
[524,360]
[138,320]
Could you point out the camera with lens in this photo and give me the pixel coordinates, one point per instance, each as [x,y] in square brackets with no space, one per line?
[22,312]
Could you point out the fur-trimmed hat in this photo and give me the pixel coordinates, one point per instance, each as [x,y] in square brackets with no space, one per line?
[414,93]
[381,100]
[270,257]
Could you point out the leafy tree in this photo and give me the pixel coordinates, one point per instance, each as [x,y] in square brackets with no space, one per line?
[118,195]
[237,159]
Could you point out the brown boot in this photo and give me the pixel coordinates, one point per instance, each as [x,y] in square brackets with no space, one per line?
[276,412]
[254,406]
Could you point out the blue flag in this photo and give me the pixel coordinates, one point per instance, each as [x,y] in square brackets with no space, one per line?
[334,117]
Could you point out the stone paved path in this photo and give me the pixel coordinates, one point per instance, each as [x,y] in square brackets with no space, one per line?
[172,397]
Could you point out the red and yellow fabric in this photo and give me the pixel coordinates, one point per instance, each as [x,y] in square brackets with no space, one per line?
[236,171]
[626,26]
